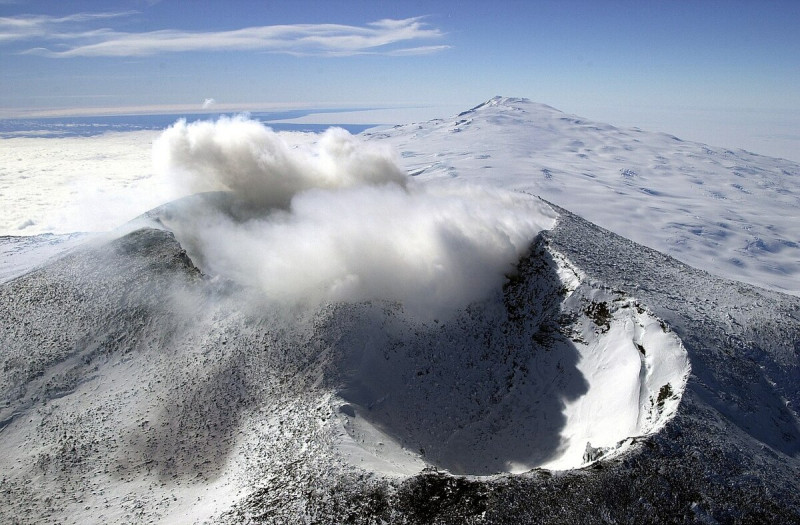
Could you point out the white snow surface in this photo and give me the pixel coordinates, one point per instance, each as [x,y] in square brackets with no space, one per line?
[77,184]
[85,184]
[732,213]
[636,370]
[19,254]
[408,394]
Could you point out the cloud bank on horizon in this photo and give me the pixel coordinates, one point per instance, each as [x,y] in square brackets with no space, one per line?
[72,36]
[339,221]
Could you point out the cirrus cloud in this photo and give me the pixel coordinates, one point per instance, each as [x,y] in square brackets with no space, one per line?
[28,27]
[71,36]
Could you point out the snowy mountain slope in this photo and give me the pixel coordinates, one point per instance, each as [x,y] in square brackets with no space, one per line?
[598,381]
[744,341]
[562,366]
[733,213]
[20,254]
[134,386]
[730,212]
[729,455]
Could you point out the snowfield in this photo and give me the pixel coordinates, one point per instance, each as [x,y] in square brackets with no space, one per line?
[732,213]
[354,344]
[76,184]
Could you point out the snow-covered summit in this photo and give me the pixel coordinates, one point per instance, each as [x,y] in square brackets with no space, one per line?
[511,103]
[732,213]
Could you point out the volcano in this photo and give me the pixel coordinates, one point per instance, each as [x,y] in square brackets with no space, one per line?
[587,377]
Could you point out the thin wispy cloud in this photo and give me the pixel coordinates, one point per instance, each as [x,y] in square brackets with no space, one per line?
[71,36]
[421,50]
[28,27]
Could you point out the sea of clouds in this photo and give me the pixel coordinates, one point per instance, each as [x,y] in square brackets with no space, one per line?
[336,219]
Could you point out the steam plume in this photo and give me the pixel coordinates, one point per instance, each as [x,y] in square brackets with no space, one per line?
[339,221]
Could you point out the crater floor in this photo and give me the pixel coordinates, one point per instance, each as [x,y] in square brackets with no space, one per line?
[567,372]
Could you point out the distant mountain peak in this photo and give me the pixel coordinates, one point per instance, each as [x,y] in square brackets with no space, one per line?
[679,189]
[507,101]
[515,103]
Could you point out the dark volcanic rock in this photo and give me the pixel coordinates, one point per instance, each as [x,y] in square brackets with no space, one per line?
[136,384]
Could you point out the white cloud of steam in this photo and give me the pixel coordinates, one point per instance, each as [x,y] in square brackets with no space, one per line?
[255,163]
[339,221]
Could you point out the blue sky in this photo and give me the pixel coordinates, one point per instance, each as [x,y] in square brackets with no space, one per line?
[603,59]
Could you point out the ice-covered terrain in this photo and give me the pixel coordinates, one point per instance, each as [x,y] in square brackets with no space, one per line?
[71,184]
[66,184]
[732,213]
[322,338]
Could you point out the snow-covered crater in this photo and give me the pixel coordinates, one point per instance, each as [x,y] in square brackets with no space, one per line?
[564,373]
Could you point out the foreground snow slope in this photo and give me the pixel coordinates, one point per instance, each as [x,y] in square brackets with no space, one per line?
[732,213]
[136,389]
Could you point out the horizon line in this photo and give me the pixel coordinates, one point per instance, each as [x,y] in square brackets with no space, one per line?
[169,109]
